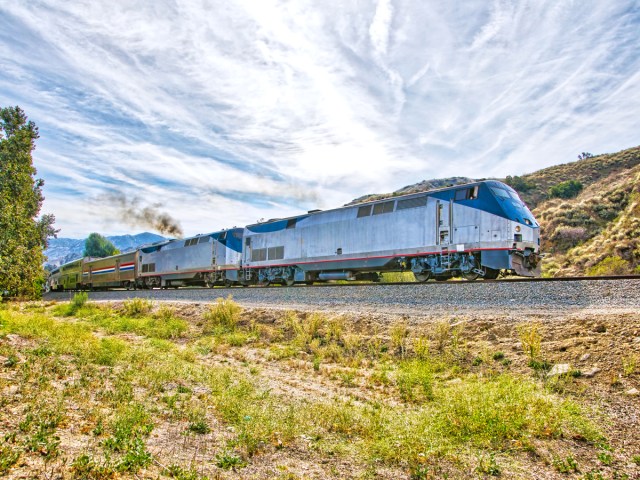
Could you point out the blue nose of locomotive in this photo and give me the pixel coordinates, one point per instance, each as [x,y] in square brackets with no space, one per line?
[510,204]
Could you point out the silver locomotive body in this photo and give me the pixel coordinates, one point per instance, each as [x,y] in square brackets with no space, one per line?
[474,230]
[204,260]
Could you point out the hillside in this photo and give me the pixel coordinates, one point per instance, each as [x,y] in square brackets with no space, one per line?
[534,187]
[63,250]
[596,233]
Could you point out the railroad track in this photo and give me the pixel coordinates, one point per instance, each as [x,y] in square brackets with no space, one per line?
[518,295]
[364,284]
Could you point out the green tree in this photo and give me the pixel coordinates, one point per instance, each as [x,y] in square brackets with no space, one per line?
[519,183]
[22,234]
[568,189]
[98,246]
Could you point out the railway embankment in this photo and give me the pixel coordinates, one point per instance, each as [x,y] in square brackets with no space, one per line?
[522,380]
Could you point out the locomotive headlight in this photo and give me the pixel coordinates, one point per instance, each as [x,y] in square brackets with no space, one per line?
[517,228]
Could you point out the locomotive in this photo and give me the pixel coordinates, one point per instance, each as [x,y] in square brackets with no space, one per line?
[477,230]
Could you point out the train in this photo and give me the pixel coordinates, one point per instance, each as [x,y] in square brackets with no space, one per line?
[476,230]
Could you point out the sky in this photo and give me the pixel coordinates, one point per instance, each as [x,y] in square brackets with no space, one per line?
[218,113]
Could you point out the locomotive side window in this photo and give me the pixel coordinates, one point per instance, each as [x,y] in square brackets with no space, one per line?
[291,223]
[275,253]
[412,203]
[203,239]
[386,207]
[191,242]
[259,255]
[148,268]
[364,211]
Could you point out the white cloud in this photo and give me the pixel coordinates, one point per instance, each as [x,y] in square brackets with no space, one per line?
[234,111]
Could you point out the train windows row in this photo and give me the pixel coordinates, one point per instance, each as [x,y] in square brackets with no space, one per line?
[388,207]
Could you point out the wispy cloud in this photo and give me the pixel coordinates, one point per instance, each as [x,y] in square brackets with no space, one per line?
[226,112]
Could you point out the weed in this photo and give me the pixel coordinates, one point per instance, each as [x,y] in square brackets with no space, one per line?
[415,381]
[498,356]
[335,330]
[488,465]
[593,475]
[84,467]
[165,313]
[183,389]
[137,307]
[229,461]
[79,300]
[567,465]
[199,427]
[477,361]
[347,379]
[11,361]
[316,364]
[531,340]
[108,351]
[44,442]
[179,473]
[421,348]
[540,365]
[605,458]
[629,365]
[8,457]
[399,333]
[441,334]
[222,316]
[129,428]
[77,303]
[135,457]
[636,459]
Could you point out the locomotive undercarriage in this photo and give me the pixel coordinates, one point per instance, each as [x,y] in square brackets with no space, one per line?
[447,265]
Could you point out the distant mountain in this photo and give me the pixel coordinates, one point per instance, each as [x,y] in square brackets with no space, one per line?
[63,250]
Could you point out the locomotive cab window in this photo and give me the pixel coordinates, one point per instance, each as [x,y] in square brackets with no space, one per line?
[466,193]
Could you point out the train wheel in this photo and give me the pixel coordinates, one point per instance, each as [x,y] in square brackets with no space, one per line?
[289,282]
[422,277]
[228,283]
[471,276]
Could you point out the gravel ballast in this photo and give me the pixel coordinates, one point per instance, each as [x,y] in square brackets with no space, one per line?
[408,298]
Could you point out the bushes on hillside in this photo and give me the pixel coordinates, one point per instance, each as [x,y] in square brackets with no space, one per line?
[519,184]
[568,189]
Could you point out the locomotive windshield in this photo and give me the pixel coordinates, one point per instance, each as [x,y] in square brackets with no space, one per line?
[512,204]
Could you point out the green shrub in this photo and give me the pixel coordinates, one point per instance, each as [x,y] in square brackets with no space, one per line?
[8,457]
[568,189]
[415,380]
[610,266]
[223,316]
[136,307]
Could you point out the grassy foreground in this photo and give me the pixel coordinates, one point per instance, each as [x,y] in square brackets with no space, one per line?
[100,391]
